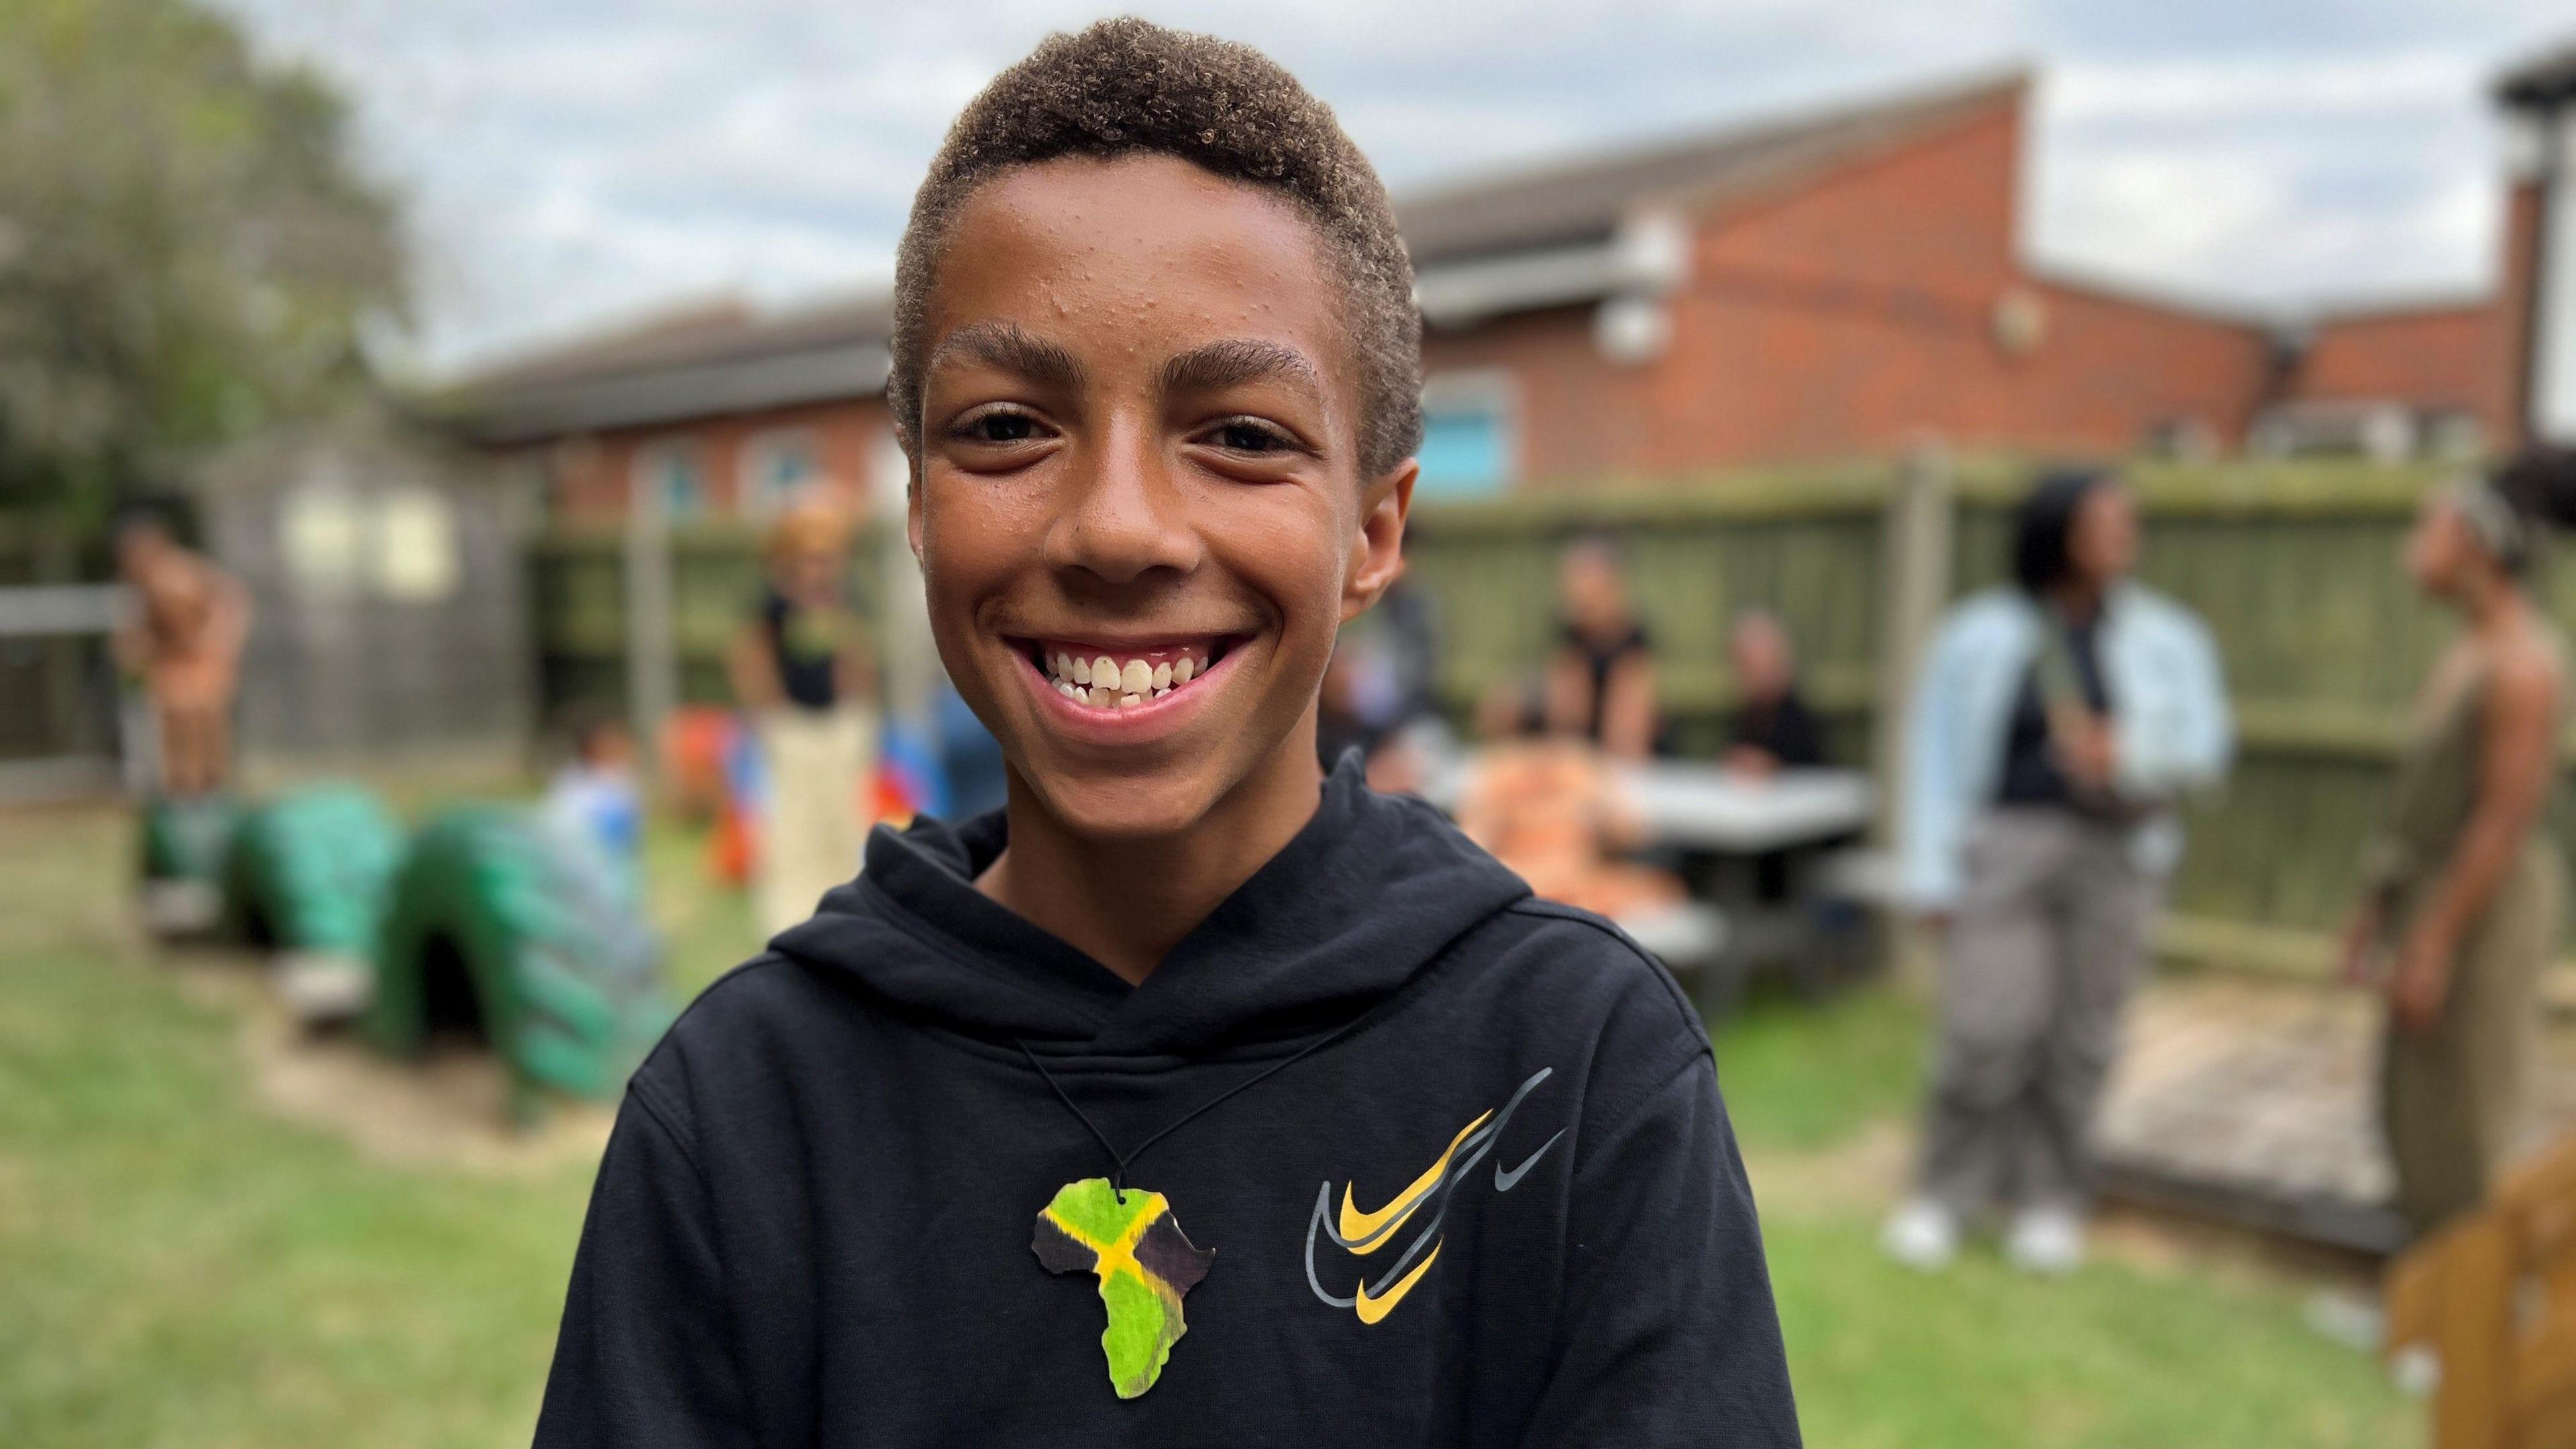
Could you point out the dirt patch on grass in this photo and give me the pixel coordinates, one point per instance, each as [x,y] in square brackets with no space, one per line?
[452,1110]
[1866,1176]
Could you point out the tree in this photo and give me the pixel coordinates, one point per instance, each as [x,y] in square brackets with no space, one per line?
[187,249]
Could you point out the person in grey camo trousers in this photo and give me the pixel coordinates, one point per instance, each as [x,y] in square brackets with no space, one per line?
[2056,721]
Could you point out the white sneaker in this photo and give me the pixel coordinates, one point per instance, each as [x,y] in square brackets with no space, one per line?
[1922,1235]
[2048,1241]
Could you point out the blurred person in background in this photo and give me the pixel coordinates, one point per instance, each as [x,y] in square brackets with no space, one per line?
[1380,693]
[801,671]
[1772,729]
[595,797]
[2461,897]
[1543,805]
[183,638]
[2056,720]
[977,777]
[1601,679]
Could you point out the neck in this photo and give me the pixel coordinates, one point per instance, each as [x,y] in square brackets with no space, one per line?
[1126,902]
[2078,599]
[2492,604]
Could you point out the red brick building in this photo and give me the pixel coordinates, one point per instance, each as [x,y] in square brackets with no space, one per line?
[1837,285]
[714,410]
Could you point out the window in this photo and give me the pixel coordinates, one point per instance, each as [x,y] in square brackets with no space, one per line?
[323,537]
[776,467]
[671,480]
[1468,435]
[416,545]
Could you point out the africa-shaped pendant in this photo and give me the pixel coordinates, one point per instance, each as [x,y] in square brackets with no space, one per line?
[1131,1240]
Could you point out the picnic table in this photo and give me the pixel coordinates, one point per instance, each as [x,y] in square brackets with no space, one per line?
[1706,807]
[1719,824]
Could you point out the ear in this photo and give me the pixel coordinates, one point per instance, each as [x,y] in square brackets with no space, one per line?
[1377,549]
[912,504]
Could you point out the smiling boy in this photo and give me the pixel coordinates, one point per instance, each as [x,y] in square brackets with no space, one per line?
[1197,1097]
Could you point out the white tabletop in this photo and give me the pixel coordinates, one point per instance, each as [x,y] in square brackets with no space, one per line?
[1709,807]
[1705,806]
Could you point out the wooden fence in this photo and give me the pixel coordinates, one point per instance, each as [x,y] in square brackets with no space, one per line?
[2294,566]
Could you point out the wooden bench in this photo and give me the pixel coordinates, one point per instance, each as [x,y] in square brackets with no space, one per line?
[2493,1296]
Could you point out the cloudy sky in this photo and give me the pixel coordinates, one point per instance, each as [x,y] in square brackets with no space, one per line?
[571,163]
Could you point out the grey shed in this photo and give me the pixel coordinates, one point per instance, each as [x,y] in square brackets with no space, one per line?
[391,592]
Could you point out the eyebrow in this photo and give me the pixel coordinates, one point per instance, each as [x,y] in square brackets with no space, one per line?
[1012,348]
[1230,362]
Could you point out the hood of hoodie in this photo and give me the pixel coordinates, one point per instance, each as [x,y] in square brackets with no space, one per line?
[1366,897]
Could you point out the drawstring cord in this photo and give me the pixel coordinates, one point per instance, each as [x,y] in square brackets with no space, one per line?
[1118,1180]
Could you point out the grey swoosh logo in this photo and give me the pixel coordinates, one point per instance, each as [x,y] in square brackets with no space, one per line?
[1507,1178]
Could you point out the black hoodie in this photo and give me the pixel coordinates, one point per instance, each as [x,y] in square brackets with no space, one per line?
[819,1216]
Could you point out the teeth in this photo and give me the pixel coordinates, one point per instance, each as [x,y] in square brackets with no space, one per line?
[1103,683]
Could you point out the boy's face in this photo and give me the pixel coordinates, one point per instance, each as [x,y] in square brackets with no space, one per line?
[1139,512]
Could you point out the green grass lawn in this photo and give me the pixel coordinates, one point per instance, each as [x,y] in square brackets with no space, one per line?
[179,1267]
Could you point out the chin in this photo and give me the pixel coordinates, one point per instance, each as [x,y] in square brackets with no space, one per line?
[1126,808]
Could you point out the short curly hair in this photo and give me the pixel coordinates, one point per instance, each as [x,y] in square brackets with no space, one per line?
[1127,87]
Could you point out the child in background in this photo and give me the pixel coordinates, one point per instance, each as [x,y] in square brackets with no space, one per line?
[595,799]
[184,638]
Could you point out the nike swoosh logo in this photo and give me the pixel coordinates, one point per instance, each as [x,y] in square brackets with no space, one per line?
[1429,1195]
[1505,1179]
[1371,1309]
[1366,1232]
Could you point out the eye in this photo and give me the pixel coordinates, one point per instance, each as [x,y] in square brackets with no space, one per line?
[998,426]
[1248,435]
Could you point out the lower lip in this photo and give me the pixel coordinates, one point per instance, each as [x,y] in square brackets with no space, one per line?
[1122,725]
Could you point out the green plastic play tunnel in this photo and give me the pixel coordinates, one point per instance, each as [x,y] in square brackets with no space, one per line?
[184,846]
[187,839]
[501,926]
[308,871]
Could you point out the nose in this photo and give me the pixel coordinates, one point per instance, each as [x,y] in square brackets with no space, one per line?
[1125,514]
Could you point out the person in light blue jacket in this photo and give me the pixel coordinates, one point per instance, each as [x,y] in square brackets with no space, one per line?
[2056,722]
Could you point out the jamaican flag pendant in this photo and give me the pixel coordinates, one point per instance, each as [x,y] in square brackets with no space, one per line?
[1130,1239]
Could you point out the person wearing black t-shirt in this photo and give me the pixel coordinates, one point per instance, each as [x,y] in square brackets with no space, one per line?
[799,667]
[1601,680]
[1772,729]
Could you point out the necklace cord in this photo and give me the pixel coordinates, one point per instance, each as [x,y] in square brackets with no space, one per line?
[1118,1182]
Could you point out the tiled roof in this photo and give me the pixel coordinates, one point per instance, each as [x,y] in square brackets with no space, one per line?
[1583,198]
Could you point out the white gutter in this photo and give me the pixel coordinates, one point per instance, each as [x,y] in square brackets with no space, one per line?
[1649,255]
[817,374]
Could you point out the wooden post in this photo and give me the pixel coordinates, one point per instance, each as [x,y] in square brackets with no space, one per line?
[652,651]
[1914,569]
[910,664]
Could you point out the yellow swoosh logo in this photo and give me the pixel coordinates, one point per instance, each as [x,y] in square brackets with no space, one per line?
[1359,1227]
[1371,1310]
